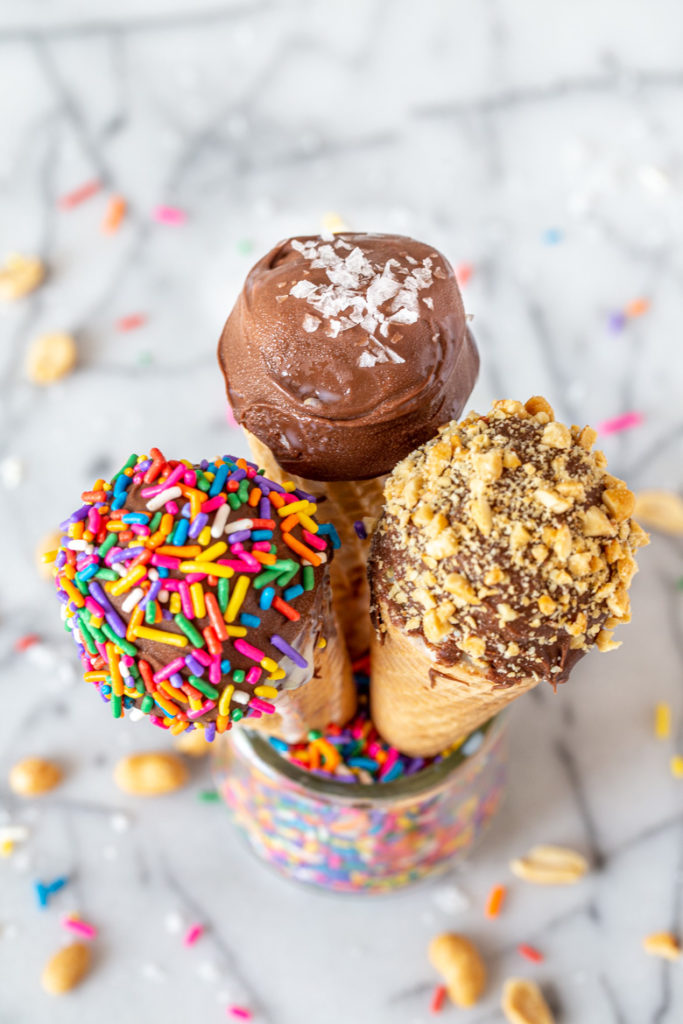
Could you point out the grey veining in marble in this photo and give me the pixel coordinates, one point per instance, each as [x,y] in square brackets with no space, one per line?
[541,143]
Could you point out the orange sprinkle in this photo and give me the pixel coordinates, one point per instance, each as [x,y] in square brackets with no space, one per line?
[301,549]
[289,523]
[286,609]
[136,617]
[255,496]
[276,499]
[494,903]
[187,552]
[116,211]
[264,557]
[637,307]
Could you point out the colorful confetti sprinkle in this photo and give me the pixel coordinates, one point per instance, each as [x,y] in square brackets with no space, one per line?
[359,527]
[552,236]
[44,891]
[619,423]
[194,933]
[463,273]
[113,217]
[74,924]
[169,215]
[79,195]
[26,641]
[636,308]
[530,953]
[438,999]
[495,901]
[239,1012]
[616,321]
[662,721]
[676,766]
[131,322]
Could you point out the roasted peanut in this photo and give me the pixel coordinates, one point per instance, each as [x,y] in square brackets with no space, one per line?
[150,774]
[458,961]
[550,865]
[523,1003]
[34,776]
[66,968]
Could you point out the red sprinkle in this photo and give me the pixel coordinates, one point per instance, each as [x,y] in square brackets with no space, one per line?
[494,903]
[129,323]
[530,953]
[438,998]
[26,641]
[79,195]
[463,272]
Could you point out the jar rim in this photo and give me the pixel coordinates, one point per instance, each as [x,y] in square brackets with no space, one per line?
[256,747]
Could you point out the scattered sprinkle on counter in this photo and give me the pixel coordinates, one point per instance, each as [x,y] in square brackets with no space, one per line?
[438,999]
[131,322]
[114,215]
[619,423]
[495,901]
[79,195]
[676,766]
[169,215]
[663,721]
[530,953]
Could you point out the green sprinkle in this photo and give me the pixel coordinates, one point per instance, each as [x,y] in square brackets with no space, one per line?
[265,577]
[287,577]
[151,613]
[132,461]
[116,705]
[140,687]
[156,519]
[234,501]
[85,634]
[193,635]
[223,593]
[120,641]
[106,544]
[308,577]
[244,247]
[147,703]
[202,483]
[209,796]
[236,714]
[106,574]
[314,734]
[243,489]
[83,587]
[206,688]
[238,675]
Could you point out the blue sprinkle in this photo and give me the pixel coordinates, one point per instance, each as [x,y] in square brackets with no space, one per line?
[359,527]
[291,592]
[88,573]
[393,773]
[219,480]
[266,598]
[119,501]
[106,689]
[552,236]
[225,666]
[279,744]
[163,572]
[363,762]
[261,535]
[327,529]
[136,517]
[249,620]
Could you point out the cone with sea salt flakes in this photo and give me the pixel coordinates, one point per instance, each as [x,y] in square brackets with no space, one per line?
[342,353]
[504,553]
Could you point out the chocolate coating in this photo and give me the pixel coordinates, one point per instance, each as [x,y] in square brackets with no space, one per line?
[342,354]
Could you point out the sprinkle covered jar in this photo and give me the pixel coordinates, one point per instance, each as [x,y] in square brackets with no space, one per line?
[362,835]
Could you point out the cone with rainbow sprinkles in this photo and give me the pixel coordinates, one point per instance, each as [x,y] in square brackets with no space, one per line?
[504,553]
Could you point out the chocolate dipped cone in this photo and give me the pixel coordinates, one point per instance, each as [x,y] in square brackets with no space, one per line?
[341,355]
[504,554]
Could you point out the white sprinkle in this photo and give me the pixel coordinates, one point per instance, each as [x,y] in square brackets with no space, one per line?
[219,521]
[136,715]
[120,822]
[11,472]
[450,899]
[77,545]
[240,697]
[238,524]
[159,500]
[132,599]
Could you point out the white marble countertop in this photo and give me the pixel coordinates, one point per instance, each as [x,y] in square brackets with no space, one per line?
[543,145]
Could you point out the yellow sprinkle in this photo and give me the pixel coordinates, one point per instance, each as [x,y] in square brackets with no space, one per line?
[289,485]
[216,570]
[161,636]
[128,581]
[269,665]
[195,704]
[73,592]
[6,848]
[222,722]
[296,506]
[198,604]
[676,766]
[116,678]
[205,536]
[239,592]
[224,702]
[322,643]
[308,523]
[279,673]
[94,677]
[215,551]
[49,556]
[265,691]
[333,222]
[236,630]
[175,605]
[662,721]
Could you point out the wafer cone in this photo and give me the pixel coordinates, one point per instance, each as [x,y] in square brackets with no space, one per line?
[347,501]
[328,697]
[422,707]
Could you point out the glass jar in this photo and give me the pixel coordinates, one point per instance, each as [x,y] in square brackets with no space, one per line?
[351,837]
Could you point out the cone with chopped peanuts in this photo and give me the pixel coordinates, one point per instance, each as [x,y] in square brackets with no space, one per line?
[342,354]
[504,553]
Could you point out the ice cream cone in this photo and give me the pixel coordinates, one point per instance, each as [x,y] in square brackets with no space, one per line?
[346,502]
[421,707]
[503,554]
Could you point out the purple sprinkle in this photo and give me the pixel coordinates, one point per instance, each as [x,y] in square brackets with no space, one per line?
[125,554]
[616,322]
[61,559]
[151,594]
[195,667]
[238,537]
[304,496]
[204,464]
[359,527]
[210,732]
[116,623]
[197,525]
[238,475]
[166,615]
[282,645]
[176,680]
[264,508]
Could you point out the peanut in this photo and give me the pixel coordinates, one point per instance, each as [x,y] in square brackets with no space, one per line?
[660,510]
[523,1003]
[150,774]
[459,963]
[662,944]
[34,776]
[19,276]
[50,357]
[193,744]
[66,969]
[550,865]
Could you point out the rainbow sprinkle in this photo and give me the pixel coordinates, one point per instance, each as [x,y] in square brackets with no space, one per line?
[180,585]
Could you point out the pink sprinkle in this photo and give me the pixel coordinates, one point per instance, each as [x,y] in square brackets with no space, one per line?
[172,508]
[230,416]
[262,705]
[169,215]
[248,650]
[213,503]
[619,423]
[463,272]
[190,478]
[193,934]
[253,675]
[315,542]
[239,1011]
[74,924]
[129,323]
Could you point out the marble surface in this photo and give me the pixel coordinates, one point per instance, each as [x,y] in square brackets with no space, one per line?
[541,144]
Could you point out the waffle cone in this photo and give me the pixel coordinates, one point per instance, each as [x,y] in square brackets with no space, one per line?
[329,697]
[422,707]
[347,501]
